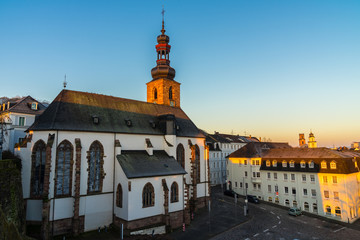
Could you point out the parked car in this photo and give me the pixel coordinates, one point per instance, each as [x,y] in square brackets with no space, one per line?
[253,199]
[231,193]
[294,211]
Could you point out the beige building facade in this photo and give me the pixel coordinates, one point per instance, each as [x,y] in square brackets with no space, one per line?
[316,180]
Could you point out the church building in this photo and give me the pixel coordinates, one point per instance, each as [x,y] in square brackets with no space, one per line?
[92,160]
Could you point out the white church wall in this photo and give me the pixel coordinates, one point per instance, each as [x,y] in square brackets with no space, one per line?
[176,206]
[136,142]
[120,177]
[64,208]
[136,210]
[98,211]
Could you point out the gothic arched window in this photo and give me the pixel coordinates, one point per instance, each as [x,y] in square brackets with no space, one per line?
[38,168]
[148,195]
[174,192]
[180,155]
[64,161]
[170,93]
[197,163]
[119,196]
[95,163]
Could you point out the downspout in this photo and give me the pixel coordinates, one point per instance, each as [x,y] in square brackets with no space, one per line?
[53,209]
[205,172]
[113,217]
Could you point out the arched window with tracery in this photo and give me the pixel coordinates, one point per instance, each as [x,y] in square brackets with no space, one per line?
[148,195]
[38,158]
[64,162]
[95,163]
[170,93]
[197,163]
[180,155]
[174,192]
[119,196]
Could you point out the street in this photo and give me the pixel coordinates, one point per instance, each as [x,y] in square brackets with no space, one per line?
[269,222]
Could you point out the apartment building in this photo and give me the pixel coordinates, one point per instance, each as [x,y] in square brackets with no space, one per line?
[317,180]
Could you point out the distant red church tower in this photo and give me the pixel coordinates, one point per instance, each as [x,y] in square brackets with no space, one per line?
[163,89]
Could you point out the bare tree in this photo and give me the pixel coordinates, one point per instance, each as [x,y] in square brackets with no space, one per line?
[4,119]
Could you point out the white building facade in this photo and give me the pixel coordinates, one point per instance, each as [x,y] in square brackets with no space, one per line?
[16,115]
[221,146]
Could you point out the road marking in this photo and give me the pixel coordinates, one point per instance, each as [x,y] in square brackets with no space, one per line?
[339,229]
[279,222]
[318,226]
[263,208]
[278,217]
[272,213]
[256,235]
[247,238]
[274,226]
[266,230]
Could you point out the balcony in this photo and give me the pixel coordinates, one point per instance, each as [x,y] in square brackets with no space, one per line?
[256,180]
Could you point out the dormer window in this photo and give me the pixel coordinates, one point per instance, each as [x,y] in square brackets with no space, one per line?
[34,106]
[302,164]
[311,164]
[96,119]
[128,122]
[323,165]
[152,124]
[284,164]
[268,163]
[292,164]
[274,163]
[21,121]
[333,165]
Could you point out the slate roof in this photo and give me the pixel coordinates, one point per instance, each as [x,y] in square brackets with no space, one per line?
[229,138]
[344,160]
[75,111]
[138,164]
[257,149]
[23,105]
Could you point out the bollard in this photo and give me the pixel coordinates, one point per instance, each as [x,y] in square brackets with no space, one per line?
[183,227]
[122,231]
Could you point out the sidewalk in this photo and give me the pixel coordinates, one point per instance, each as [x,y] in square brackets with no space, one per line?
[223,215]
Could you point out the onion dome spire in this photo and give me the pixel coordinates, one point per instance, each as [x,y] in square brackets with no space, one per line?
[163,69]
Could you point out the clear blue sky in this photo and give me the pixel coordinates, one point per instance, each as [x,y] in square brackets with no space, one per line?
[270,68]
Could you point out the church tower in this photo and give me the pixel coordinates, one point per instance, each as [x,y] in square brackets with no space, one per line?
[312,143]
[163,89]
[302,140]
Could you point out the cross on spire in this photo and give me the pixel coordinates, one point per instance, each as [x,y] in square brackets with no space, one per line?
[163,13]
[65,83]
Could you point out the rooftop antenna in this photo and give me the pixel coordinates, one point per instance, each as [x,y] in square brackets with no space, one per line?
[65,82]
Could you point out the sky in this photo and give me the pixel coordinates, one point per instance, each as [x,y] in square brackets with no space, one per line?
[270,69]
